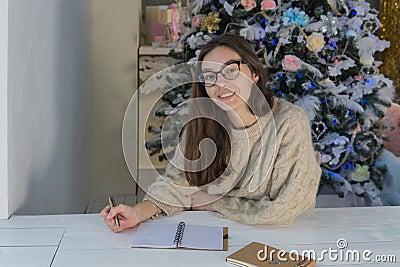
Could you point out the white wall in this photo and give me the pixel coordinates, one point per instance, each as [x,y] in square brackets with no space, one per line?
[4,210]
[115,25]
[49,105]
[60,132]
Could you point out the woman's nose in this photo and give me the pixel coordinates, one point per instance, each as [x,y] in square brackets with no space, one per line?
[221,80]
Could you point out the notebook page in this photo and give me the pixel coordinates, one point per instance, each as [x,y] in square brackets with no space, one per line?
[154,235]
[203,237]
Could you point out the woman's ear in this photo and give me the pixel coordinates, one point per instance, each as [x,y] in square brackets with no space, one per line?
[255,78]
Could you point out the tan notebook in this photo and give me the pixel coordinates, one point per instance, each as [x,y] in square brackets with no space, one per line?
[260,255]
[181,235]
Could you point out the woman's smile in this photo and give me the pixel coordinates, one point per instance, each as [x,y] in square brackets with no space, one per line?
[226,95]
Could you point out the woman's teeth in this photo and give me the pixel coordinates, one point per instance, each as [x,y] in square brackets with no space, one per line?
[227,94]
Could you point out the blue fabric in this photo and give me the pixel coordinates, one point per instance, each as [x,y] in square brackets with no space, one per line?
[390,195]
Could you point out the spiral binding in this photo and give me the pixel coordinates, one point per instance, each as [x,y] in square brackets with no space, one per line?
[179,234]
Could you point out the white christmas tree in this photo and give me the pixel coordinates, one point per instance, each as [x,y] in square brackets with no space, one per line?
[321,56]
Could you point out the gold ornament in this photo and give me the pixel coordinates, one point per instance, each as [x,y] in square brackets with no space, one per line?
[333,4]
[390,13]
[210,22]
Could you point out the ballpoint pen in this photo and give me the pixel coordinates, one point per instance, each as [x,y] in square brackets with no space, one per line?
[112,205]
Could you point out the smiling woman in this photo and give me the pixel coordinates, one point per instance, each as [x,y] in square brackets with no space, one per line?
[243,153]
[241,94]
[230,70]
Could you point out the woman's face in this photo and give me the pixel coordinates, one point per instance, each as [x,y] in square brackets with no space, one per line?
[232,87]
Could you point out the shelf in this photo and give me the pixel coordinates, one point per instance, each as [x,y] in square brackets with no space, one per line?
[150,51]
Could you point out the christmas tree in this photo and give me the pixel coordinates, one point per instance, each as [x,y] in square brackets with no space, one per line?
[321,56]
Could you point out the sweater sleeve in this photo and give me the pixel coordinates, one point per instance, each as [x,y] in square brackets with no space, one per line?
[171,192]
[293,184]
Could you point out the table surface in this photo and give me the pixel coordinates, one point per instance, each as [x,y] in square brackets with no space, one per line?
[83,240]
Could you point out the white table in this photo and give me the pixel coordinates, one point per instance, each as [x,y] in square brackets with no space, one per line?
[83,240]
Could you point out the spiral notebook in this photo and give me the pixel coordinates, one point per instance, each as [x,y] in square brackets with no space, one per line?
[181,235]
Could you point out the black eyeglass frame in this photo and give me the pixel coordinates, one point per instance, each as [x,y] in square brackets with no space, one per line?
[238,62]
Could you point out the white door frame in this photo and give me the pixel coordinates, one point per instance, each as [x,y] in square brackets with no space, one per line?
[4,205]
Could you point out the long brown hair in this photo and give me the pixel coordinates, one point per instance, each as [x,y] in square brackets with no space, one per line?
[201,128]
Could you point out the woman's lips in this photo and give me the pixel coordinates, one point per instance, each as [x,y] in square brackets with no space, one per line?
[226,95]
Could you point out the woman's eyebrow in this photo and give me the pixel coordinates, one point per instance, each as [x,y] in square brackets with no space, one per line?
[231,61]
[206,69]
[224,64]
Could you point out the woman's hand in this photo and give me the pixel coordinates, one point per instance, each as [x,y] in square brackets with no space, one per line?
[128,216]
[203,201]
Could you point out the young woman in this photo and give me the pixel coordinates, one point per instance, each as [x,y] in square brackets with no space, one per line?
[244,154]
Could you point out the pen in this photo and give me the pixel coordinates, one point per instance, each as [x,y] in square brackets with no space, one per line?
[112,205]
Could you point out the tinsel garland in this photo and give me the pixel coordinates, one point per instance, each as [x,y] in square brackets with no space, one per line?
[390,14]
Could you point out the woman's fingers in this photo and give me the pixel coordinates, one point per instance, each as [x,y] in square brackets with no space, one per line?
[123,212]
[108,214]
[113,226]
[117,210]
[105,211]
[128,216]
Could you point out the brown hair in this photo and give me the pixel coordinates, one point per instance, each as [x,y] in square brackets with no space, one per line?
[200,128]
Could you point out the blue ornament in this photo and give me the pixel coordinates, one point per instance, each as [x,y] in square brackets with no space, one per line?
[351,166]
[279,75]
[294,16]
[334,175]
[352,13]
[299,75]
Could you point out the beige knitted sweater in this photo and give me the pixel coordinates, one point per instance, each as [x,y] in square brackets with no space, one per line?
[273,174]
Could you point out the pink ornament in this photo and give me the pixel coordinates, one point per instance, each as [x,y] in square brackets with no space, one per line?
[174,26]
[318,157]
[248,4]
[268,5]
[291,63]
[196,21]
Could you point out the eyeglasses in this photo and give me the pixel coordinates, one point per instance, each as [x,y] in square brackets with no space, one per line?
[229,71]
